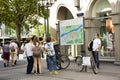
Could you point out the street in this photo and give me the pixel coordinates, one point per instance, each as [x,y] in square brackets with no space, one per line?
[107,71]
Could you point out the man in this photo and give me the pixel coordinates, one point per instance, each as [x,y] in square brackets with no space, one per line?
[29,54]
[13,51]
[96,46]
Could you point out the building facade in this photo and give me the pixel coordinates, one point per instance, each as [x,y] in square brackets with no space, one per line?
[101,16]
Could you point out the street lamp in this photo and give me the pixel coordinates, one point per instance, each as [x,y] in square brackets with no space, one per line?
[46,4]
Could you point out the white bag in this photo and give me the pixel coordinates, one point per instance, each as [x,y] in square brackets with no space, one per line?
[86,61]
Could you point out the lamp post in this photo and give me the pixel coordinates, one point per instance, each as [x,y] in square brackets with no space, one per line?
[46,4]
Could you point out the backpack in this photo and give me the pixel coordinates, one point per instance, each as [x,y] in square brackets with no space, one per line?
[49,50]
[12,49]
[37,50]
[90,46]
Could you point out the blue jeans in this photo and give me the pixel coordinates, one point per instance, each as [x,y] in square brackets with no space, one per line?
[96,57]
[52,63]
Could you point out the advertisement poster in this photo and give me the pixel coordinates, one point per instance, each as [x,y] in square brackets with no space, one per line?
[71,32]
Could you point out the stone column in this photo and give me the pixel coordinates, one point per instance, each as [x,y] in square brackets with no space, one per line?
[116,23]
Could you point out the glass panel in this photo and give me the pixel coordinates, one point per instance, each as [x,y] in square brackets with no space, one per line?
[107,37]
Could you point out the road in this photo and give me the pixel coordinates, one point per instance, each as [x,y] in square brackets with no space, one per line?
[107,71]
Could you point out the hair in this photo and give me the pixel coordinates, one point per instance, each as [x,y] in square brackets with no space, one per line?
[33,37]
[48,39]
[35,40]
[7,42]
[97,34]
[28,40]
[40,38]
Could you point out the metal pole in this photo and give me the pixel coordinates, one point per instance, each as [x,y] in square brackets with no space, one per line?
[47,20]
[37,19]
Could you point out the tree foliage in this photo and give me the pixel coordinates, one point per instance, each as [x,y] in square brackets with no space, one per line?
[14,13]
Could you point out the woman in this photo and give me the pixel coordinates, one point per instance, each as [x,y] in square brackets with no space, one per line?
[6,54]
[37,50]
[51,56]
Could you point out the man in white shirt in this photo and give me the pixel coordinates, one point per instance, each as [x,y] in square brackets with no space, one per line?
[96,46]
[29,54]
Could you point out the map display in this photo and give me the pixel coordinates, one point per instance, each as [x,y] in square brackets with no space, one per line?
[71,32]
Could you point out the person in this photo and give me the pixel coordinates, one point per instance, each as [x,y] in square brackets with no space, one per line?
[96,47]
[37,50]
[29,54]
[51,56]
[110,43]
[18,50]
[6,54]
[13,51]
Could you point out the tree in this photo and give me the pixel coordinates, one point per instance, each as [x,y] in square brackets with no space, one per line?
[14,13]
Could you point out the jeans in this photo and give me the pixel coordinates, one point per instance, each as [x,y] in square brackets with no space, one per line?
[52,63]
[30,64]
[96,57]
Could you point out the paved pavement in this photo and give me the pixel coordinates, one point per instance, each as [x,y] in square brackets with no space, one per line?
[107,71]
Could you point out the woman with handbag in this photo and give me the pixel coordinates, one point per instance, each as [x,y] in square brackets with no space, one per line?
[6,54]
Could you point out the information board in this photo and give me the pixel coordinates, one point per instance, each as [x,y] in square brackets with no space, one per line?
[71,32]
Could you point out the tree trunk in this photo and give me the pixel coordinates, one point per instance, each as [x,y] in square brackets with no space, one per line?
[18,31]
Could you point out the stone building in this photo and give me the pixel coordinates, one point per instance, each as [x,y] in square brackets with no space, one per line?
[101,16]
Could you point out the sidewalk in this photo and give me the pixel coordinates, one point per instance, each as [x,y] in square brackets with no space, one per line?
[107,71]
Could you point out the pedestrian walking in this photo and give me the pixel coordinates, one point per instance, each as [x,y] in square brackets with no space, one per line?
[6,54]
[13,51]
[51,56]
[29,54]
[96,46]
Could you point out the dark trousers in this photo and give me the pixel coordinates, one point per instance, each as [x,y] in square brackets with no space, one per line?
[30,64]
[96,57]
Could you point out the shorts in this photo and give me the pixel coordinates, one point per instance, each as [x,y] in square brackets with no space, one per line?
[13,55]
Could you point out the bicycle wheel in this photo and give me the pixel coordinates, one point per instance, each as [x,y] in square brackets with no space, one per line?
[65,62]
[78,63]
[94,67]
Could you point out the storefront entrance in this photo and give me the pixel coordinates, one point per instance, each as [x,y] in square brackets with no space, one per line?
[104,26]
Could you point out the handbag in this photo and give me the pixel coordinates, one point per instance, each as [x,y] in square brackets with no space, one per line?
[2,56]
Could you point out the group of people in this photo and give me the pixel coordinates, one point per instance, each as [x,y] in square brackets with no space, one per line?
[10,48]
[34,48]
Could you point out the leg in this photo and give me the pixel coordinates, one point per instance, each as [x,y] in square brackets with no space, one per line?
[49,63]
[39,65]
[35,64]
[30,64]
[54,62]
[96,58]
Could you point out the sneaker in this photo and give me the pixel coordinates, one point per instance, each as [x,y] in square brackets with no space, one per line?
[55,72]
[51,73]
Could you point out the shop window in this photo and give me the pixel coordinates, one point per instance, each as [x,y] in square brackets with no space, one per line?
[107,38]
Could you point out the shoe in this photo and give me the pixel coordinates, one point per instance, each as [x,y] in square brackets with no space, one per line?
[51,73]
[55,72]
[5,65]
[28,73]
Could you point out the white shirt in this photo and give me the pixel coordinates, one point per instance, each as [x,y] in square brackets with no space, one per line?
[96,43]
[28,49]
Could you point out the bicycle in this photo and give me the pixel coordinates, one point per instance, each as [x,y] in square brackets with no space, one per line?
[82,66]
[62,60]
